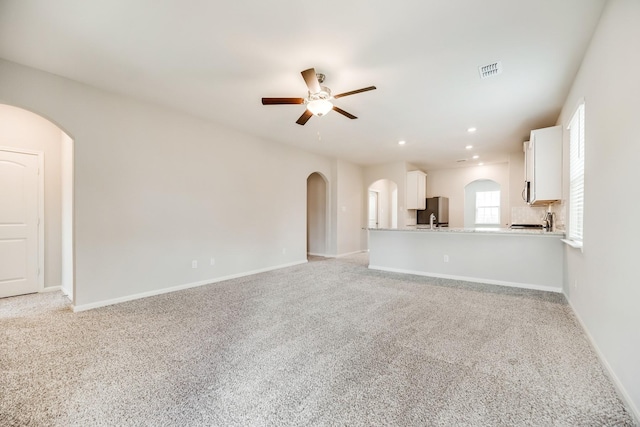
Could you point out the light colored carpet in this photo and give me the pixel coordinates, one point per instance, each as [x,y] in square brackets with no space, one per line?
[325,343]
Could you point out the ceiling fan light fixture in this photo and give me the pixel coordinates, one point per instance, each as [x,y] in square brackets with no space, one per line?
[318,102]
[319,107]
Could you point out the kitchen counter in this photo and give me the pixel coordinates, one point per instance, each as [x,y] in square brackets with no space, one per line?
[504,231]
[524,258]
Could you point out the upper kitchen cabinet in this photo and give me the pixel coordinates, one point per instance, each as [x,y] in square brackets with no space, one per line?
[543,166]
[416,190]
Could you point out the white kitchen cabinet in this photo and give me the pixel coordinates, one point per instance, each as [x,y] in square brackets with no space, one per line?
[543,166]
[416,190]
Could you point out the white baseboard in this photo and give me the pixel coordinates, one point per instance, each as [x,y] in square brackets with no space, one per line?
[50,289]
[317,254]
[470,279]
[337,256]
[622,391]
[351,253]
[67,293]
[98,304]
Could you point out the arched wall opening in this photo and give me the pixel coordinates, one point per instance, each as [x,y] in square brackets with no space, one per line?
[383,204]
[317,215]
[482,204]
[22,131]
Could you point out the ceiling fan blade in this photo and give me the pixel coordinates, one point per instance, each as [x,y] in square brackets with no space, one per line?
[304,118]
[311,80]
[275,101]
[344,113]
[353,92]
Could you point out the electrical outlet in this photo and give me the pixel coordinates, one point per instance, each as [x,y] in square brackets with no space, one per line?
[194,264]
[284,251]
[213,261]
[446,258]
[575,284]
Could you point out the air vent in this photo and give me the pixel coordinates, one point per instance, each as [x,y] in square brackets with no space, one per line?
[461,160]
[490,70]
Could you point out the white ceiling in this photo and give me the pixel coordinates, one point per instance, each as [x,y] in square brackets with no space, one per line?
[218,59]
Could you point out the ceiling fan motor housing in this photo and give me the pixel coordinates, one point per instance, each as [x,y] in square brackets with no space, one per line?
[325,93]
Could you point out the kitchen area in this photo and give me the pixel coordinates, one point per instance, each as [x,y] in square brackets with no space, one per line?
[483,224]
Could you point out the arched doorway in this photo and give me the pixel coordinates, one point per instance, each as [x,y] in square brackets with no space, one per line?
[317,215]
[24,134]
[383,204]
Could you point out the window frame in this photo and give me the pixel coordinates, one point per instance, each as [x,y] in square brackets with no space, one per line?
[498,195]
[577,144]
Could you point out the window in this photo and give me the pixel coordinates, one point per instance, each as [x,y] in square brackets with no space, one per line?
[488,207]
[576,174]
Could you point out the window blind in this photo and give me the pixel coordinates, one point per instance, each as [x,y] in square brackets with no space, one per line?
[576,174]
[488,207]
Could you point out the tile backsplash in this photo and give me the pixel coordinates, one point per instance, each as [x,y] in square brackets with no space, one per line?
[527,214]
[535,214]
[559,209]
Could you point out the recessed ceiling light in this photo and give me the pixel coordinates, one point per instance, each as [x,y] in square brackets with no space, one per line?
[469,147]
[476,157]
[402,142]
[480,164]
[471,130]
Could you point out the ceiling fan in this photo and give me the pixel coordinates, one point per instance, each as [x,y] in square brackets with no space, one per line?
[318,101]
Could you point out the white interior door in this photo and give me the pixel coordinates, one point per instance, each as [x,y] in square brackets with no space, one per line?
[18,223]
[373,209]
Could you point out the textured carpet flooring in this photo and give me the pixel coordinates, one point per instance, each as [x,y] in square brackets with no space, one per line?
[326,343]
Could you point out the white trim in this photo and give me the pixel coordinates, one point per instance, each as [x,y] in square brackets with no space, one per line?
[622,392]
[575,111]
[41,222]
[51,289]
[69,297]
[573,243]
[470,279]
[346,254]
[316,254]
[104,303]
[350,253]
[40,156]
[67,175]
[577,165]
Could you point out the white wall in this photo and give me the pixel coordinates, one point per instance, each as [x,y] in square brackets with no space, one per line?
[155,189]
[387,192]
[494,258]
[316,215]
[350,202]
[451,183]
[607,295]
[66,194]
[22,129]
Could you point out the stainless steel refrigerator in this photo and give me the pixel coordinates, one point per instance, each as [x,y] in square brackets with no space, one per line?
[439,206]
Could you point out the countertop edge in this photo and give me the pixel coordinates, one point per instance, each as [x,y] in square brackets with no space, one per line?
[482,231]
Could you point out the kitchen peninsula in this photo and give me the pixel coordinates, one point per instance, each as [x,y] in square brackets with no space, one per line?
[530,259]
